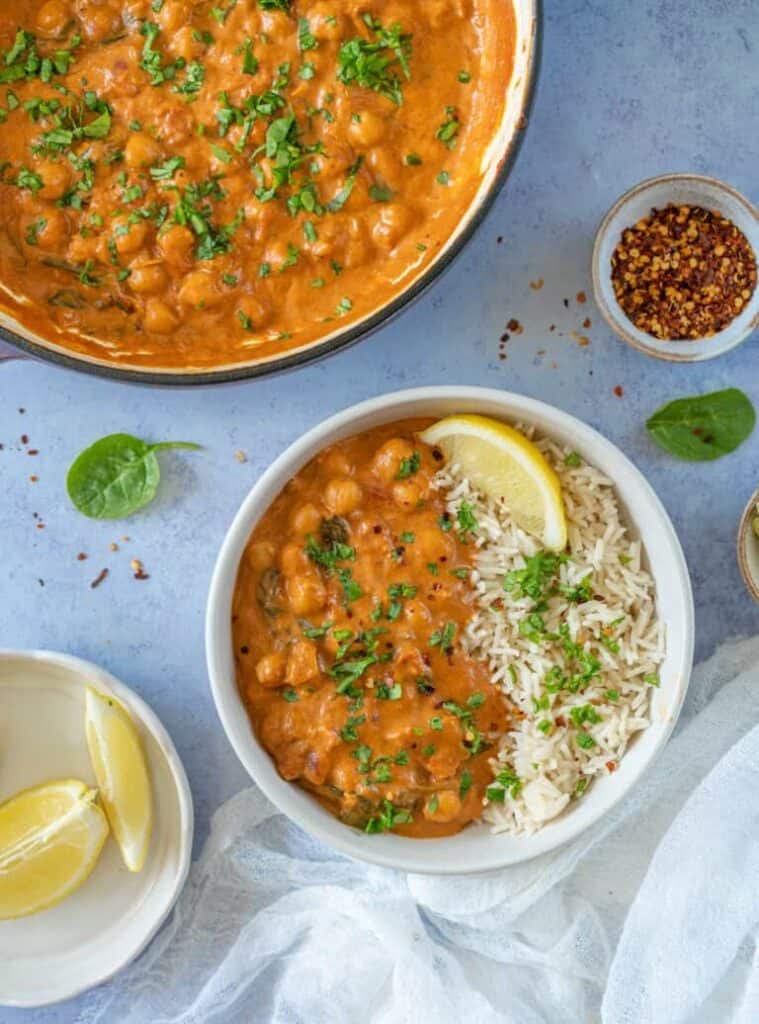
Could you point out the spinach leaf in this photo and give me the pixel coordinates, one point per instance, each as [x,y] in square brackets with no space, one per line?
[705,426]
[117,476]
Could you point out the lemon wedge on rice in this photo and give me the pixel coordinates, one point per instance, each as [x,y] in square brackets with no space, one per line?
[503,464]
[121,770]
[50,839]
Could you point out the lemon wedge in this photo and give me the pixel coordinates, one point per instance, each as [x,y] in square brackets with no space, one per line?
[122,774]
[50,839]
[503,464]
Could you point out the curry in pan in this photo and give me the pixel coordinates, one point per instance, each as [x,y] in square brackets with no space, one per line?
[199,183]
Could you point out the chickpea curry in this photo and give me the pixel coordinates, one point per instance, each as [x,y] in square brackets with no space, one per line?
[349,610]
[187,184]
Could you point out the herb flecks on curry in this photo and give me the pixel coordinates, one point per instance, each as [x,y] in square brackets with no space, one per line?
[191,184]
[350,605]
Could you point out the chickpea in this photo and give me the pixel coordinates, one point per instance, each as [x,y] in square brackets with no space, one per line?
[368,130]
[406,493]
[260,556]
[306,519]
[176,246]
[306,594]
[293,560]
[337,463]
[129,238]
[443,807]
[325,22]
[356,249]
[343,495]
[270,670]
[98,22]
[174,15]
[384,165]
[141,150]
[183,44]
[53,18]
[159,318]
[302,664]
[433,545]
[56,179]
[393,223]
[387,459]
[55,231]
[149,279]
[199,289]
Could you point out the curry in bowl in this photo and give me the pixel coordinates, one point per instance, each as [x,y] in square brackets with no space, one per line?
[193,185]
[435,623]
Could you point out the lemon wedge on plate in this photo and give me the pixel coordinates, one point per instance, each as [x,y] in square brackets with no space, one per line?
[50,839]
[122,774]
[503,464]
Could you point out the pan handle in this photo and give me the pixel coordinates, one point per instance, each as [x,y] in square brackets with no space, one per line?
[7,352]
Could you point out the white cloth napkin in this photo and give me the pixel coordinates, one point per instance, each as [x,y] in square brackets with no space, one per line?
[650,918]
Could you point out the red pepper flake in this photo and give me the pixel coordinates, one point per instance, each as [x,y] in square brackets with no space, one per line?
[24,439]
[139,572]
[99,578]
[81,557]
[586,322]
[581,297]
[537,285]
[619,390]
[611,766]
[514,326]
[33,451]
[34,479]
[683,272]
[40,526]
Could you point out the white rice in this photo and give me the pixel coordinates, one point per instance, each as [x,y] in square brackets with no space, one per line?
[552,769]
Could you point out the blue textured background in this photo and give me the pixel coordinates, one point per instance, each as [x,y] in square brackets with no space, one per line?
[627,90]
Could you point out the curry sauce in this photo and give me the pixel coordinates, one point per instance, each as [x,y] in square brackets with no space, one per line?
[197,183]
[349,609]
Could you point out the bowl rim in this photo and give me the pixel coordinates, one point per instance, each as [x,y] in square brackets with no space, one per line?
[744,536]
[616,318]
[89,672]
[418,856]
[353,333]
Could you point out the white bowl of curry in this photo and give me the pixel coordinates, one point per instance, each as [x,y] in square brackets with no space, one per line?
[194,193]
[336,478]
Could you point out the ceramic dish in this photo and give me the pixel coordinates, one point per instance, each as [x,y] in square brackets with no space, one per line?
[496,165]
[475,848]
[676,189]
[748,547]
[101,927]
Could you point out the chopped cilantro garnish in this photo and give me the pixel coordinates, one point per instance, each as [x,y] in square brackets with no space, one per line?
[409,466]
[375,64]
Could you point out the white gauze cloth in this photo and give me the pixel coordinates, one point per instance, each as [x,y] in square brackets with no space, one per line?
[649,918]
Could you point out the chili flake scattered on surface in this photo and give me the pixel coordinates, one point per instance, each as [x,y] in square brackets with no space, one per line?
[99,578]
[683,273]
[81,557]
[619,390]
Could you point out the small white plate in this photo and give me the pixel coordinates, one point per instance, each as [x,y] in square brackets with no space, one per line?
[676,189]
[82,941]
[748,547]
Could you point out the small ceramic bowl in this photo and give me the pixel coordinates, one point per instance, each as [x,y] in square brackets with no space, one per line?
[748,547]
[104,925]
[673,189]
[476,848]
